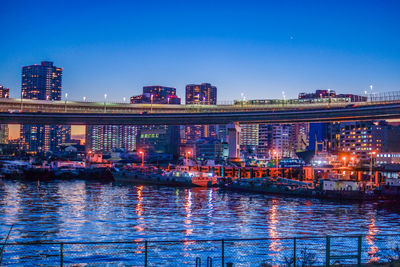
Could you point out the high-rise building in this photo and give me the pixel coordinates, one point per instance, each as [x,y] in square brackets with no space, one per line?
[362,137]
[4,93]
[264,140]
[160,139]
[286,139]
[276,137]
[157,94]
[281,141]
[249,135]
[157,139]
[331,96]
[299,136]
[200,94]
[3,133]
[204,94]
[326,135]
[42,82]
[105,138]
[211,149]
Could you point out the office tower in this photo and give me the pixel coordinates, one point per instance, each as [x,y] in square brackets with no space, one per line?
[222,132]
[362,137]
[4,93]
[211,149]
[158,95]
[299,136]
[42,82]
[204,94]
[105,138]
[326,96]
[3,133]
[249,135]
[280,140]
[275,137]
[200,94]
[264,147]
[158,139]
[326,135]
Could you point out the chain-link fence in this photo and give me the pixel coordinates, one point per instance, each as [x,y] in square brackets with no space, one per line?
[300,251]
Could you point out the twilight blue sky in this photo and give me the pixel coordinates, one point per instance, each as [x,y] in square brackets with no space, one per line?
[254,47]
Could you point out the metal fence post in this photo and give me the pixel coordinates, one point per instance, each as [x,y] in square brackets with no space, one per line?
[145,253]
[359,250]
[61,254]
[198,262]
[223,252]
[294,252]
[328,251]
[209,261]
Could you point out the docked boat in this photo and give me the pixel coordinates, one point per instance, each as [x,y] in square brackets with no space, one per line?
[66,173]
[13,169]
[271,185]
[390,189]
[102,174]
[148,175]
[39,174]
[181,176]
[324,189]
[196,178]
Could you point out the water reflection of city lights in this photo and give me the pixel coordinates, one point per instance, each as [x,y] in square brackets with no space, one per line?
[210,203]
[139,209]
[188,215]
[373,249]
[273,232]
[12,201]
[187,221]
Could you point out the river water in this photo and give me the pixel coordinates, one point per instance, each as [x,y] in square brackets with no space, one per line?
[69,211]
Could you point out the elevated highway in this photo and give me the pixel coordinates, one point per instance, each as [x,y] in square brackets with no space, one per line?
[17,111]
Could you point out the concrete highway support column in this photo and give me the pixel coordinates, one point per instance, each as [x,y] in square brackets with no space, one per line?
[234,140]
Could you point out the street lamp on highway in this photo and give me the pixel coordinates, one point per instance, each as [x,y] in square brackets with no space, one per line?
[370,88]
[66,99]
[105,98]
[22,96]
[151,103]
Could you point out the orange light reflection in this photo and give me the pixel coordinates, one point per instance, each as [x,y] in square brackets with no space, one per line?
[372,231]
[273,221]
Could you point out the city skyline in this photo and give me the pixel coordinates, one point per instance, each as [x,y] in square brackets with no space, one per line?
[259,49]
[176,133]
